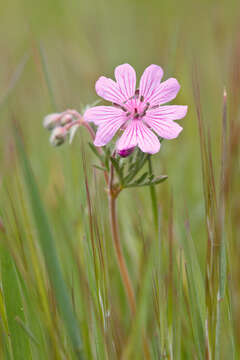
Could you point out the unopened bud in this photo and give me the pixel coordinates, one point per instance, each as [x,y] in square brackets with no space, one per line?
[58,136]
[52,120]
[126,152]
[66,119]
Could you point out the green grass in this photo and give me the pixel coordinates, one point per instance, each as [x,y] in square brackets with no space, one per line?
[61,294]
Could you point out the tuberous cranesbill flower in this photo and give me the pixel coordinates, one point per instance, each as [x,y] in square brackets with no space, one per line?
[58,136]
[138,113]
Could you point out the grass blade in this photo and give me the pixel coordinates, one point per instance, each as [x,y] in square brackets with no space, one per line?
[13,304]
[49,251]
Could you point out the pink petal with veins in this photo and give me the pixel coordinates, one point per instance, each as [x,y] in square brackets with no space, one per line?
[107,130]
[126,79]
[109,90]
[168,112]
[150,80]
[101,114]
[167,129]
[165,92]
[138,134]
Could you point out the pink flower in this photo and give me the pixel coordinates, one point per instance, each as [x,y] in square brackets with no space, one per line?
[139,113]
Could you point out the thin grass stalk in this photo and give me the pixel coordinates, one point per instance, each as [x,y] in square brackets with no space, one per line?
[47,77]
[222,199]
[14,80]
[153,196]
[205,183]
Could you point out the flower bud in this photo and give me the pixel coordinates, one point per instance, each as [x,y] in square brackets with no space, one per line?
[66,119]
[51,120]
[126,152]
[58,136]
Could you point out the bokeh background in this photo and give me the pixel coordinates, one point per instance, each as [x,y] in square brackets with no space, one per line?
[52,53]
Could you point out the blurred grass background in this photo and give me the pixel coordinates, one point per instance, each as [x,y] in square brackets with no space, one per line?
[52,52]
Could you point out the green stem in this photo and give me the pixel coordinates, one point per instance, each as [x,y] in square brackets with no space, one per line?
[153,196]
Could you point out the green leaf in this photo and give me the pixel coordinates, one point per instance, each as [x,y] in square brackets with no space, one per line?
[155,181]
[136,166]
[141,178]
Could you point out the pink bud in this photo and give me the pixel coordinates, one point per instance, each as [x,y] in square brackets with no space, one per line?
[51,120]
[66,119]
[126,152]
[58,136]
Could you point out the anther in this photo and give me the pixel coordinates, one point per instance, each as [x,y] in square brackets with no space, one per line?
[136,93]
[145,110]
[136,115]
[120,106]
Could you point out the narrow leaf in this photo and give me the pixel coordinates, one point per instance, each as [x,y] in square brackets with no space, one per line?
[13,303]
[49,251]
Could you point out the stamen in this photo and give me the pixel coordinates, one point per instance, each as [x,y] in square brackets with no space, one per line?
[119,106]
[135,96]
[136,115]
[145,110]
[137,93]
[116,105]
[141,98]
[155,107]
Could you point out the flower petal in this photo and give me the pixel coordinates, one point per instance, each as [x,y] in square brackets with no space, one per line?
[165,92]
[168,112]
[107,130]
[126,79]
[129,137]
[109,90]
[147,140]
[138,134]
[150,80]
[167,129]
[100,114]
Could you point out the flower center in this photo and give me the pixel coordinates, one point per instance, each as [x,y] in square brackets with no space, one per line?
[135,107]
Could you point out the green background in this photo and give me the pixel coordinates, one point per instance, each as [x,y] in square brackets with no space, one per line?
[52,53]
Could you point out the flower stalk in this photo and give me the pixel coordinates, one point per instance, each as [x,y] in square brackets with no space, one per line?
[112,197]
